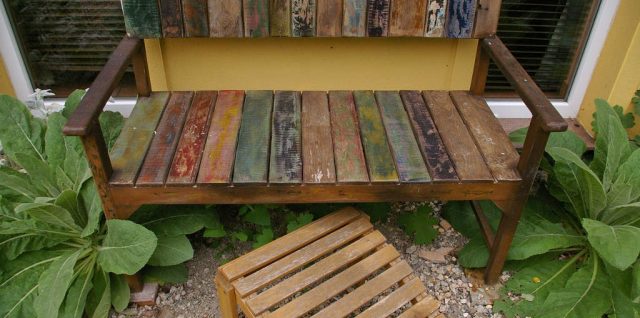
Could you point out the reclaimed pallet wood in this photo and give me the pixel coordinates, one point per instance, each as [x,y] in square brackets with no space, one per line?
[303,18]
[317,145]
[376,148]
[171,12]
[487,18]
[433,151]
[398,298]
[424,308]
[131,146]
[329,18]
[225,18]
[461,16]
[158,160]
[354,18]
[280,17]
[407,18]
[252,154]
[378,17]
[256,18]
[142,18]
[219,151]
[351,166]
[196,22]
[436,18]
[184,168]
[409,162]
[286,157]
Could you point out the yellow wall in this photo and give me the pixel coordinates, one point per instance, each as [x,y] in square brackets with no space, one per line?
[5,84]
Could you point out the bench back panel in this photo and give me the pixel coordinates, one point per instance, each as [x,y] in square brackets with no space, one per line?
[311,18]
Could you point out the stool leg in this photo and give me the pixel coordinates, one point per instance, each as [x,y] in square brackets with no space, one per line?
[226,297]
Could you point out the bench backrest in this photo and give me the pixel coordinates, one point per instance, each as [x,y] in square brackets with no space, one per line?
[311,18]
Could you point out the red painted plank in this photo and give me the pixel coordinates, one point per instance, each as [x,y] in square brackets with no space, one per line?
[351,166]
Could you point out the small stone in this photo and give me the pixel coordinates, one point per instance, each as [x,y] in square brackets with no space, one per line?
[411,249]
[433,256]
[445,225]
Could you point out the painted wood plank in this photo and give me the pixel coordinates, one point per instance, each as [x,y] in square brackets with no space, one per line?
[196,21]
[158,160]
[129,150]
[461,15]
[436,18]
[376,148]
[349,155]
[184,168]
[329,18]
[303,18]
[280,17]
[317,145]
[354,18]
[286,159]
[225,18]
[252,155]
[256,18]
[490,138]
[433,151]
[466,157]
[171,12]
[142,18]
[378,17]
[487,18]
[220,149]
[409,162]
[408,18]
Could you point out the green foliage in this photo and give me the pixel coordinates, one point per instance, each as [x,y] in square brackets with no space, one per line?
[420,225]
[376,211]
[295,222]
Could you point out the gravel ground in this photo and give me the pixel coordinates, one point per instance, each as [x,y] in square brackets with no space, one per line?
[461,292]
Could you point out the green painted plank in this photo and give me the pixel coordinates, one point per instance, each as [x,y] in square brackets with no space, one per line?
[256,18]
[286,158]
[142,18]
[280,17]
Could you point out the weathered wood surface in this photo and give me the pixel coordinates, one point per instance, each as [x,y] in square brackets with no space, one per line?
[303,18]
[350,163]
[317,146]
[196,23]
[329,17]
[436,18]
[404,294]
[487,18]
[409,162]
[378,17]
[219,151]
[158,160]
[142,18]
[424,308]
[280,17]
[354,19]
[172,25]
[184,168]
[285,159]
[433,151]
[460,18]
[407,18]
[225,18]
[256,18]
[252,154]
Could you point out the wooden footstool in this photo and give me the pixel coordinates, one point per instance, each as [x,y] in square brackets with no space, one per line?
[332,267]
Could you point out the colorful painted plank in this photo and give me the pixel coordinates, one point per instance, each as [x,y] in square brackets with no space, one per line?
[280,17]
[171,11]
[225,18]
[129,150]
[407,18]
[196,23]
[219,151]
[433,151]
[303,18]
[376,148]
[317,146]
[378,17]
[466,157]
[347,147]
[409,162]
[142,18]
[256,18]
[460,18]
[184,168]
[329,18]
[252,154]
[286,161]
[354,18]
[436,18]
[158,160]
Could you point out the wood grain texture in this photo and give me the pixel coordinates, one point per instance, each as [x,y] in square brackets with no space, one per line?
[171,12]
[378,17]
[468,161]
[389,304]
[286,159]
[225,18]
[351,166]
[317,145]
[487,18]
[376,148]
[256,18]
[184,168]
[220,149]
[158,160]
[252,154]
[461,16]
[424,308]
[436,18]
[329,14]
[431,145]
[303,18]
[280,17]
[196,19]
[131,146]
[142,18]
[409,162]
[408,18]
[354,18]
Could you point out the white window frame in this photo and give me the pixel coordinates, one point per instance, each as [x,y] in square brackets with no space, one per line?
[502,108]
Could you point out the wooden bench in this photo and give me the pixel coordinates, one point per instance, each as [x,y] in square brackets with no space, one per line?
[239,147]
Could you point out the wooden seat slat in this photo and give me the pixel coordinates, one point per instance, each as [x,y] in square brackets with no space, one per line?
[303,18]
[329,20]
[347,146]
[317,146]
[354,20]
[172,23]
[225,18]
[280,17]
[256,18]
[424,308]
[408,18]
[196,23]
[378,18]
[286,159]
[395,300]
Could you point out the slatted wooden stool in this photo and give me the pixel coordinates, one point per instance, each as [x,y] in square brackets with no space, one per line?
[332,267]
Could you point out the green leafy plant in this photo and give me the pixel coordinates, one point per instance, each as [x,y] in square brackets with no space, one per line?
[420,225]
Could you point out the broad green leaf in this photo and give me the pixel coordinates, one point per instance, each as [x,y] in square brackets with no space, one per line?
[19,130]
[474,254]
[68,200]
[617,245]
[612,145]
[626,184]
[636,102]
[258,215]
[99,298]
[72,102]
[626,119]
[240,236]
[89,202]
[54,283]
[39,173]
[74,303]
[126,248]
[120,292]
[621,295]
[111,123]
[265,236]
[19,183]
[566,139]
[628,214]
[295,222]
[215,231]
[12,246]
[376,211]
[175,220]
[535,235]
[171,251]
[55,146]
[419,224]
[166,274]
[50,214]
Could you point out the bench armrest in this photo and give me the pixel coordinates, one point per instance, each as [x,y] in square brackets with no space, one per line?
[531,94]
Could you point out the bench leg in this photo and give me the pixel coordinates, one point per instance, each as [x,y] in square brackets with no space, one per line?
[502,241]
[226,297]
